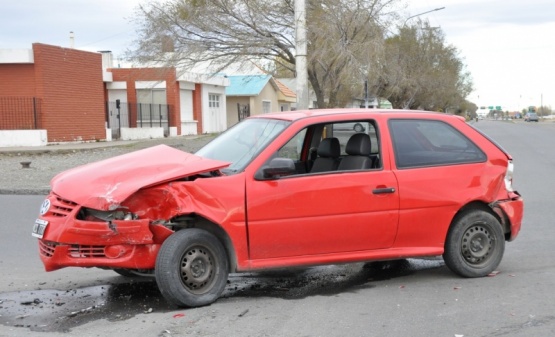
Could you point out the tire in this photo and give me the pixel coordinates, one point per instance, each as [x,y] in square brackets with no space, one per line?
[191,268]
[358,127]
[475,244]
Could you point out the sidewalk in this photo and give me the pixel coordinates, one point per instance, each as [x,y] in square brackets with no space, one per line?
[68,146]
[77,146]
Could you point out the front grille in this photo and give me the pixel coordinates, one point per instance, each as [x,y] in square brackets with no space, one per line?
[61,207]
[46,248]
[77,251]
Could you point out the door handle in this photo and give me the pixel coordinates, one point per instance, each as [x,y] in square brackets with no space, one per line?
[384,190]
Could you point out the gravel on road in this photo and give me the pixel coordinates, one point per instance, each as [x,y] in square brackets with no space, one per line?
[47,161]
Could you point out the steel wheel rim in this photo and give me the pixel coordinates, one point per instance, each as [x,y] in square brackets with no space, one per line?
[477,244]
[197,269]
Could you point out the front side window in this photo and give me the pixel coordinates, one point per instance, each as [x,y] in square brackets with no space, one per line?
[420,143]
[322,148]
[293,148]
[345,130]
[240,144]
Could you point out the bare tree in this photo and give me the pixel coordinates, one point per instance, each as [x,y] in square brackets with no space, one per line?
[418,70]
[217,33]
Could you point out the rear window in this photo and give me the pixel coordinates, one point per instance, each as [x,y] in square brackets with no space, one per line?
[419,143]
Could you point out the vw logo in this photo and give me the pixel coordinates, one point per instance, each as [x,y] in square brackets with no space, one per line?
[44,207]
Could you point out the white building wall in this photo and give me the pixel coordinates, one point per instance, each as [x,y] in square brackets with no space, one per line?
[10,138]
[188,123]
[213,120]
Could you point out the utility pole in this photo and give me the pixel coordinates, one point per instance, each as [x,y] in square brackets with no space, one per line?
[366,94]
[300,55]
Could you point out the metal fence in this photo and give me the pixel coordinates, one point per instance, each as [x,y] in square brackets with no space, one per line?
[20,113]
[153,115]
[243,111]
[117,117]
[147,116]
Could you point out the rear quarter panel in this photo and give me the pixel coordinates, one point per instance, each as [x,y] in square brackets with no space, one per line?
[431,196]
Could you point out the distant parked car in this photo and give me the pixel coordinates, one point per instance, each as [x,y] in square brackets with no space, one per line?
[531,117]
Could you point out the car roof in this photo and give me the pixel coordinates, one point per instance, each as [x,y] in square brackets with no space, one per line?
[300,114]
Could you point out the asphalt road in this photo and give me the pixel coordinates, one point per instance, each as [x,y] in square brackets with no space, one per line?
[414,298]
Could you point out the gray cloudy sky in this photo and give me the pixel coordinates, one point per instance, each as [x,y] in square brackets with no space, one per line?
[507,45]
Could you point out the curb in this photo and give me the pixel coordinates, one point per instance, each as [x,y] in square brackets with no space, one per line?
[24,191]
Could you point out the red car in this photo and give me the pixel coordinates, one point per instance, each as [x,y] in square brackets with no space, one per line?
[288,189]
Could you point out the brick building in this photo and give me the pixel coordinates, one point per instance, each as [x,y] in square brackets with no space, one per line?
[66,86]
[71,95]
[189,103]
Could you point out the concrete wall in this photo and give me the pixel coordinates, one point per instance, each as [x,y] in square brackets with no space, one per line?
[22,138]
[141,133]
[231,107]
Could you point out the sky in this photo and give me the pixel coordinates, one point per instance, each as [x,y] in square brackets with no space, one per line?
[508,46]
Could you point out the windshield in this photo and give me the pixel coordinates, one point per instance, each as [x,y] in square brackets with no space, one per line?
[240,144]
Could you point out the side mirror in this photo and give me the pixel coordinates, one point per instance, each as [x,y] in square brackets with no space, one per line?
[277,167]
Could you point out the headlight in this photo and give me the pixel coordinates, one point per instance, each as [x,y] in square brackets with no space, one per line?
[89,214]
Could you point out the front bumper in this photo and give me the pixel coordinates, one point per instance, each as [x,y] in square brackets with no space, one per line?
[70,242]
[56,255]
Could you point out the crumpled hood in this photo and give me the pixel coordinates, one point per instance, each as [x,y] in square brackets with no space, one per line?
[105,184]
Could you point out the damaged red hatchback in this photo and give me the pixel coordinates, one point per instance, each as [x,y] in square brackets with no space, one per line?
[288,189]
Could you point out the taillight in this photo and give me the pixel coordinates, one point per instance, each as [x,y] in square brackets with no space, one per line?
[509,176]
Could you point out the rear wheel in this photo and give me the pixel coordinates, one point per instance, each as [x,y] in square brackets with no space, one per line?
[475,244]
[358,127]
[191,268]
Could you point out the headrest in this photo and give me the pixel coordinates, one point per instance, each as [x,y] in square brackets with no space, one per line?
[329,147]
[359,145]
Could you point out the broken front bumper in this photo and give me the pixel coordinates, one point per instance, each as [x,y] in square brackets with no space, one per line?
[67,241]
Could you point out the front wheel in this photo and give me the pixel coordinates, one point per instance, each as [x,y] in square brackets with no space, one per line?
[475,244]
[191,268]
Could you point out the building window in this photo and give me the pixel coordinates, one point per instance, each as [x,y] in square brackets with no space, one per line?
[213,101]
[151,96]
[266,107]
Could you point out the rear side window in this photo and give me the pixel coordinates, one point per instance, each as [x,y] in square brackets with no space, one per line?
[420,143]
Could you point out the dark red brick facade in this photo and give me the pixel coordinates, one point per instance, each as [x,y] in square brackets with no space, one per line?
[197,106]
[18,80]
[69,84]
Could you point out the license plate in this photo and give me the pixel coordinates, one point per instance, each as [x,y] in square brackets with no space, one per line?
[39,228]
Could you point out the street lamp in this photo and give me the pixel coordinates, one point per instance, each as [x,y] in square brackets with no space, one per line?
[433,10]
